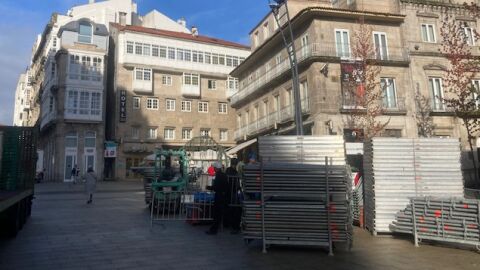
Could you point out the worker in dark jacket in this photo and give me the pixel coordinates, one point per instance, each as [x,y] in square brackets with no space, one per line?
[220,187]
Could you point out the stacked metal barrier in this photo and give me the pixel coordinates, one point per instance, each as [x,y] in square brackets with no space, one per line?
[399,169]
[302,149]
[357,201]
[445,220]
[297,204]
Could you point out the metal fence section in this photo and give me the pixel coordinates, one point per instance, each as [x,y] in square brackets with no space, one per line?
[297,204]
[451,220]
[302,149]
[399,169]
[193,207]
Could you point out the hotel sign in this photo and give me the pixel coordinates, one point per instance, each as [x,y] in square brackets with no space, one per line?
[123,106]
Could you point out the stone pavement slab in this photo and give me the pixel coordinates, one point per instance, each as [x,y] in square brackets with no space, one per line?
[114,233]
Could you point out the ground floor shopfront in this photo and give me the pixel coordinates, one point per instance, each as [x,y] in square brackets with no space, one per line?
[68,146]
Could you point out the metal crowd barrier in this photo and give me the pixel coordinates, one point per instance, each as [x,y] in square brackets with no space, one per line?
[452,220]
[193,207]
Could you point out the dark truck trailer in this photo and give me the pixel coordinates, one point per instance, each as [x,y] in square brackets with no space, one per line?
[18,156]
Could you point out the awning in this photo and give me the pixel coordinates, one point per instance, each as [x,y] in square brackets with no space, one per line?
[232,151]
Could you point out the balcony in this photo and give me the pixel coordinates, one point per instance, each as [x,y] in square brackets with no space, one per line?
[191,90]
[395,107]
[308,52]
[141,86]
[285,115]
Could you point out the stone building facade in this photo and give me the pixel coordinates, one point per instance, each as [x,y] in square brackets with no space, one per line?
[406,36]
[165,88]
[72,103]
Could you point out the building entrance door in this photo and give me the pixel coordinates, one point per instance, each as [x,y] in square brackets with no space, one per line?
[89,159]
[70,161]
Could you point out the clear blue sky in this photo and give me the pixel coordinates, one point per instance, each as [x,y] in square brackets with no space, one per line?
[22,20]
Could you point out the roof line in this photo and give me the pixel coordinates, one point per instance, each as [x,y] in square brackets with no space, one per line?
[179,35]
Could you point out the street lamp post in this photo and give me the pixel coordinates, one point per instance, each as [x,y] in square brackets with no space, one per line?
[289,42]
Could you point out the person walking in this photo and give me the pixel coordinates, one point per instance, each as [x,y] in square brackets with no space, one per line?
[220,187]
[74,174]
[90,184]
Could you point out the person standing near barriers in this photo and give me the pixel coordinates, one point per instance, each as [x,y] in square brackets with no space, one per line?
[90,184]
[234,208]
[220,187]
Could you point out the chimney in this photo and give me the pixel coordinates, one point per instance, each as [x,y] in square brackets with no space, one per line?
[182,22]
[91,1]
[194,31]
[123,18]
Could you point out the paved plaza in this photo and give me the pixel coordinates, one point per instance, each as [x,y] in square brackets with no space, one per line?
[114,233]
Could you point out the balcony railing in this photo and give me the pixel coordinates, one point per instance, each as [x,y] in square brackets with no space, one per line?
[266,122]
[394,106]
[398,54]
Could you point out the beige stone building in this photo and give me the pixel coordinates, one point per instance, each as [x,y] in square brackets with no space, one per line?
[165,88]
[406,36]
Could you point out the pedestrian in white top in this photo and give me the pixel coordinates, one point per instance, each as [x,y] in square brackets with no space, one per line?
[90,184]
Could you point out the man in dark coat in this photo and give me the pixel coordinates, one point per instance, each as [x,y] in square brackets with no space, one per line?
[220,187]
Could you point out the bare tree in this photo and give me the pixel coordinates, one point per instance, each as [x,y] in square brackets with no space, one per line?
[461,96]
[363,88]
[423,115]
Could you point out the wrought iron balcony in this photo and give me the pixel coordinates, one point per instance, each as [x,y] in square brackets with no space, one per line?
[285,114]
[309,51]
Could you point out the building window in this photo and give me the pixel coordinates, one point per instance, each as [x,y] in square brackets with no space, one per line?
[152,103]
[205,132]
[135,133]
[255,39]
[72,102]
[476,85]
[381,47]
[167,80]
[191,79]
[428,33]
[163,52]
[169,134]
[436,90]
[232,83]
[130,47]
[96,104]
[221,59]
[155,51]
[136,103]
[187,55]
[470,35]
[208,58]
[186,134]
[90,139]
[222,107]
[229,60]
[170,104]
[143,74]
[54,43]
[223,135]
[171,53]
[186,106]
[212,84]
[214,59]
[81,102]
[138,48]
[203,107]
[71,140]
[389,92]
[180,55]
[85,32]
[146,49]
[152,133]
[342,41]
